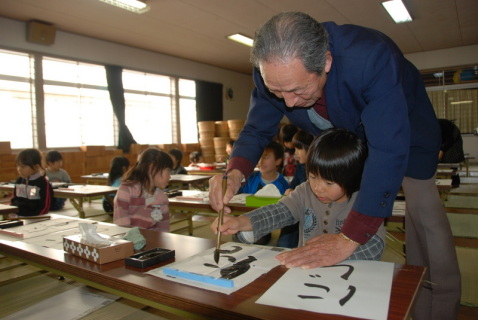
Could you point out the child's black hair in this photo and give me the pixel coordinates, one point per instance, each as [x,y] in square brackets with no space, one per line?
[116,168]
[287,132]
[195,156]
[29,157]
[178,154]
[338,155]
[150,162]
[278,151]
[302,140]
[53,156]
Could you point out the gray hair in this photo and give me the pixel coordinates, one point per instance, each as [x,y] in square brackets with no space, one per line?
[291,35]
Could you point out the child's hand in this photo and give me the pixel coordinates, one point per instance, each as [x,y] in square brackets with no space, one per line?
[230,225]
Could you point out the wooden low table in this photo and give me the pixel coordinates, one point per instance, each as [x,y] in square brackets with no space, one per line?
[183,180]
[187,301]
[96,178]
[6,209]
[76,194]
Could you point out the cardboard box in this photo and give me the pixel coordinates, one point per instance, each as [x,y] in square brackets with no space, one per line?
[100,254]
[5,147]
[93,150]
[253,201]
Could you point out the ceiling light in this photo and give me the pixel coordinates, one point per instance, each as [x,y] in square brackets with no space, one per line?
[241,39]
[397,10]
[135,6]
[461,102]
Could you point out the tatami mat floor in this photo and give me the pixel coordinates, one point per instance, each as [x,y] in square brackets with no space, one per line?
[23,286]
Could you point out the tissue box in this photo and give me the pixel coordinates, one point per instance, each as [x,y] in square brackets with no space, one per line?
[254,201]
[97,253]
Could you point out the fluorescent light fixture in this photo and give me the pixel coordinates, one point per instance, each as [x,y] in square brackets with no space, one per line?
[135,6]
[461,102]
[241,39]
[397,10]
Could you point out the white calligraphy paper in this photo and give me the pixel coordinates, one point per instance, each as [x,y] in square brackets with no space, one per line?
[353,288]
[256,259]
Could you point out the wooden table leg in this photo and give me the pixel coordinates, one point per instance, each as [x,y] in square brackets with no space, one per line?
[78,204]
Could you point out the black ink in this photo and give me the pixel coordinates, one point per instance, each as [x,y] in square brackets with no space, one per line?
[230,258]
[237,269]
[346,275]
[315,276]
[348,296]
[236,249]
[308,297]
[312,285]
[210,265]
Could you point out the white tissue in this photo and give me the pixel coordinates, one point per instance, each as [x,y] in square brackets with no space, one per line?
[89,234]
[269,191]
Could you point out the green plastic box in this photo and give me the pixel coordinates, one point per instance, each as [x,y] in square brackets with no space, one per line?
[253,201]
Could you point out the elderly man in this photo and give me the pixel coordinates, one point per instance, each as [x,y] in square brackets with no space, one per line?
[324,75]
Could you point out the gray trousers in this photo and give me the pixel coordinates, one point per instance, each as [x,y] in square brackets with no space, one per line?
[429,243]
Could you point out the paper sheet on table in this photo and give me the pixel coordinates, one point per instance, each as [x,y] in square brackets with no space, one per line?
[351,288]
[70,305]
[55,240]
[203,196]
[42,228]
[202,264]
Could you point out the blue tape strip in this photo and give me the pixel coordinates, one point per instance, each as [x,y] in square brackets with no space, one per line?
[199,277]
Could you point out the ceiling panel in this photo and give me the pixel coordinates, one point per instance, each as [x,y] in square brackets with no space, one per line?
[197,29]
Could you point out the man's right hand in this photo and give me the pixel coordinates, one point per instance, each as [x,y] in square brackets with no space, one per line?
[234,179]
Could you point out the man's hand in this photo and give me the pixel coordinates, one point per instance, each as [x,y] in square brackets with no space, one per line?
[234,178]
[324,250]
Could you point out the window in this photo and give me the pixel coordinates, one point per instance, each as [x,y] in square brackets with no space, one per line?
[17,96]
[151,108]
[457,105]
[78,109]
[454,94]
[187,111]
[75,107]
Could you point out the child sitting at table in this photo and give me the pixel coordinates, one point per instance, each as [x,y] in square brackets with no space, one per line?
[118,166]
[140,201]
[269,167]
[32,193]
[195,157]
[289,235]
[335,163]
[55,173]
[177,156]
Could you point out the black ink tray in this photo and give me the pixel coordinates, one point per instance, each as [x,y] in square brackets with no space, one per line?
[4,224]
[148,258]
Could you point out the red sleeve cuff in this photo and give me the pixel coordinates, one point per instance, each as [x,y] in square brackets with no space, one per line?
[360,227]
[241,164]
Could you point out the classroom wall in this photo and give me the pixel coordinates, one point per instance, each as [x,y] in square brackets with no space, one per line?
[69,45]
[443,58]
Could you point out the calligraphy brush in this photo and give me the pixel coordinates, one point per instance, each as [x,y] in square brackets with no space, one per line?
[219,222]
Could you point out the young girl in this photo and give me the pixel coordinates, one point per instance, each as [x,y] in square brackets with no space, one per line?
[335,163]
[32,193]
[119,165]
[140,201]
[301,142]
[289,235]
